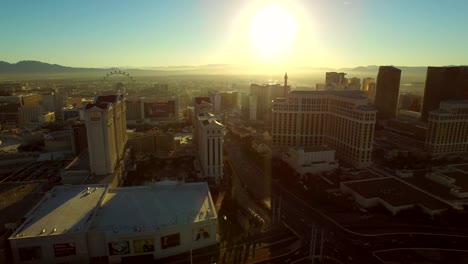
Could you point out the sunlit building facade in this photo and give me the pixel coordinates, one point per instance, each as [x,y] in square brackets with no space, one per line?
[106,130]
[448,128]
[263,96]
[341,120]
[210,146]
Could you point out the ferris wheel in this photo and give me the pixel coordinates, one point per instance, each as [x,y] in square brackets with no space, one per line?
[125,82]
[118,72]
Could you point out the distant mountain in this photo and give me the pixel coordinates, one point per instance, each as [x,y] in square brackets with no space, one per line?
[39,67]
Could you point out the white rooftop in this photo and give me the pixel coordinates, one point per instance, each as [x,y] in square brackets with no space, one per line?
[65,209]
[150,208]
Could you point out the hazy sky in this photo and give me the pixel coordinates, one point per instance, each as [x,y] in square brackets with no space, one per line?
[327,33]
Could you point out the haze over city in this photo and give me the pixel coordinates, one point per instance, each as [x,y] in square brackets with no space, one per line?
[233,132]
[296,33]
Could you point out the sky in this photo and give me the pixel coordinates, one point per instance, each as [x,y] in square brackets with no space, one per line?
[315,33]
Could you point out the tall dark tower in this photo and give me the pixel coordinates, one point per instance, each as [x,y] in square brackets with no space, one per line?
[444,83]
[285,79]
[387,91]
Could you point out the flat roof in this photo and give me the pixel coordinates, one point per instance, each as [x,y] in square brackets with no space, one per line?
[65,209]
[395,192]
[150,208]
[353,94]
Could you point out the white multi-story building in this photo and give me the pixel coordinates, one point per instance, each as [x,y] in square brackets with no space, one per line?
[106,128]
[311,159]
[341,120]
[35,114]
[448,128]
[97,224]
[210,146]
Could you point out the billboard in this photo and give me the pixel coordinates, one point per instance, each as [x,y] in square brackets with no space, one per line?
[160,108]
[119,248]
[201,233]
[143,245]
[170,241]
[64,249]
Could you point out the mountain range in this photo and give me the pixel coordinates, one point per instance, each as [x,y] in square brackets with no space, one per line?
[37,67]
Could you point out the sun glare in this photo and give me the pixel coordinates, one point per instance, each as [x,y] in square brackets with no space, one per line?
[272,31]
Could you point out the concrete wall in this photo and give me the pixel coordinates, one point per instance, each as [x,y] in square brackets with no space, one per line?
[46,244]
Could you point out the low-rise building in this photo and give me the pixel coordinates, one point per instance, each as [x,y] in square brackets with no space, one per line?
[311,159]
[95,224]
[393,194]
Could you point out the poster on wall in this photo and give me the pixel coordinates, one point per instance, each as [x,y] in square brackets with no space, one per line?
[161,108]
[119,248]
[64,249]
[170,241]
[143,245]
[201,233]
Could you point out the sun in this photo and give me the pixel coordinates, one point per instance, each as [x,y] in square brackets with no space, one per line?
[273,30]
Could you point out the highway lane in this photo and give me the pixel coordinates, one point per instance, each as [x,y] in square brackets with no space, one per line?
[250,175]
[248,183]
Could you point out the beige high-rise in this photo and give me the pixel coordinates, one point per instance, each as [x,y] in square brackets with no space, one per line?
[341,120]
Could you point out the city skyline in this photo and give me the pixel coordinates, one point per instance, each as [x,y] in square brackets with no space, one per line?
[310,33]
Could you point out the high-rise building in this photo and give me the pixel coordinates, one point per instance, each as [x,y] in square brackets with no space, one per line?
[366,83]
[134,110]
[448,128]
[341,120]
[209,138]
[368,86]
[354,83]
[210,146]
[72,112]
[78,137]
[336,79]
[201,105]
[245,105]
[444,83]
[106,130]
[224,100]
[9,106]
[31,99]
[33,114]
[215,99]
[387,91]
[265,94]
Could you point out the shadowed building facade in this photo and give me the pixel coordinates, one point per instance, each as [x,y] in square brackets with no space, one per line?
[444,83]
[387,90]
